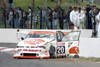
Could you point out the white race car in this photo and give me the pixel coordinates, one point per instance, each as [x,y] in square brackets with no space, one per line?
[46,44]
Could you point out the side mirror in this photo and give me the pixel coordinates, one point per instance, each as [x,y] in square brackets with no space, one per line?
[22,38]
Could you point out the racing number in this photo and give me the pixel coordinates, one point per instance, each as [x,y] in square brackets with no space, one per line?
[60,49]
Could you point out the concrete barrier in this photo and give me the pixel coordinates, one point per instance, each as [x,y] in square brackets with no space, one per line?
[8,36]
[89,47]
[11,35]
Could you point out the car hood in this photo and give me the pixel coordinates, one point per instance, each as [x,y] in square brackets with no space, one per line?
[36,41]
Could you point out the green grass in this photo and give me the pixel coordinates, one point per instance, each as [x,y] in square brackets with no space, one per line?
[86,59]
[90,58]
[41,3]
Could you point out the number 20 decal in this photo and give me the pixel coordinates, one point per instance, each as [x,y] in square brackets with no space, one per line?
[60,49]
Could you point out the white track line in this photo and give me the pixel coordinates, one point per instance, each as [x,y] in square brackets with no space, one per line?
[5,49]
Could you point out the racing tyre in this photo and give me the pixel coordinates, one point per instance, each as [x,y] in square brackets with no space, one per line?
[52,52]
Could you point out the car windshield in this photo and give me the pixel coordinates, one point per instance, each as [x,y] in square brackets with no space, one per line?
[41,36]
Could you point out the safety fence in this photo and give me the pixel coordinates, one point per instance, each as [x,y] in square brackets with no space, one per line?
[21,18]
[14,17]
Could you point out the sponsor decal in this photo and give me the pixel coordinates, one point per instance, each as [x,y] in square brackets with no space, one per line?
[42,32]
[31,50]
[60,49]
[60,43]
[74,50]
[34,41]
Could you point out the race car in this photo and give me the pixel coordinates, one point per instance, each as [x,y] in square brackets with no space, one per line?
[48,44]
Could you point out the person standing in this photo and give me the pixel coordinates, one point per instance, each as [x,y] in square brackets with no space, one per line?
[25,20]
[16,18]
[29,17]
[81,18]
[74,17]
[11,18]
[44,12]
[88,17]
[98,18]
[49,19]
[93,13]
[10,3]
[60,17]
[55,19]
[68,15]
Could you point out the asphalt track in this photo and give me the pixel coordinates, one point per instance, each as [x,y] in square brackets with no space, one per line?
[7,60]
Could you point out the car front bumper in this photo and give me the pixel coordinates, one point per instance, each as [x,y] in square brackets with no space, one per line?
[31,53]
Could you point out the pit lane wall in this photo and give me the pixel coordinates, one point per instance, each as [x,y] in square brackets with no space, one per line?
[89,47]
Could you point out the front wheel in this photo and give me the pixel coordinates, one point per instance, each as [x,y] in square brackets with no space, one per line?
[52,52]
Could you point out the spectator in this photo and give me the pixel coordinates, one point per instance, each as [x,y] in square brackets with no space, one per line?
[93,13]
[60,17]
[55,19]
[29,17]
[68,14]
[88,17]
[49,19]
[35,19]
[98,18]
[20,19]
[74,17]
[11,18]
[7,18]
[16,19]
[81,18]
[10,3]
[44,12]
[25,19]
[73,28]
[65,23]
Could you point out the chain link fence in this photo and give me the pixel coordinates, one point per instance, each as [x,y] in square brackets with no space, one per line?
[22,15]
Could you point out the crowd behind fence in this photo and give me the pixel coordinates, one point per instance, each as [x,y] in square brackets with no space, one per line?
[48,18]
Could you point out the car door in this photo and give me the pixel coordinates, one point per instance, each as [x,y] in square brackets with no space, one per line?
[71,41]
[60,49]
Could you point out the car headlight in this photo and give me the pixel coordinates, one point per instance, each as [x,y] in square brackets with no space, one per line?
[20,46]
